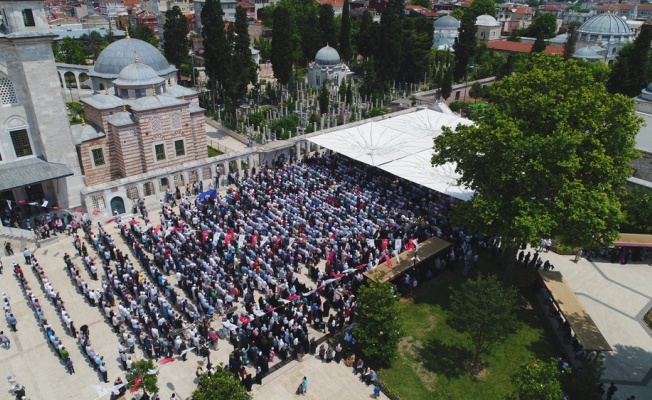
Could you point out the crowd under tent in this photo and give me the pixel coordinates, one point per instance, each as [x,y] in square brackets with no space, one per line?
[401,145]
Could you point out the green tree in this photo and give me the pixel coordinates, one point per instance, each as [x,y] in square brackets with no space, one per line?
[149,383]
[637,207]
[264,45]
[323,98]
[143,33]
[447,83]
[466,42]
[549,159]
[369,86]
[71,52]
[539,45]
[388,55]
[215,45]
[281,57]
[92,43]
[368,36]
[222,385]
[476,91]
[327,25]
[484,310]
[571,42]
[175,37]
[345,33]
[377,330]
[242,68]
[629,73]
[540,380]
[422,3]
[312,37]
[543,24]
[342,91]
[582,384]
[416,50]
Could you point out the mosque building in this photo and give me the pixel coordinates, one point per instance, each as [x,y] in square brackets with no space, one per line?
[37,161]
[327,67]
[445,33]
[602,37]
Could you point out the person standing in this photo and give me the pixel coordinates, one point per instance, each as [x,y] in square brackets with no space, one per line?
[12,322]
[8,249]
[6,343]
[70,367]
[28,256]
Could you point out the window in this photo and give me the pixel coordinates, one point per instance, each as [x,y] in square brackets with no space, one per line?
[159,152]
[7,92]
[98,157]
[179,148]
[20,140]
[28,17]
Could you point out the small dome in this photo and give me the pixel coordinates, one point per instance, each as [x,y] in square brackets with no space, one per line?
[138,75]
[587,53]
[327,56]
[486,20]
[119,54]
[447,22]
[605,24]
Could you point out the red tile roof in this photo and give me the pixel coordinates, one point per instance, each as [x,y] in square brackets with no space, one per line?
[550,8]
[518,47]
[334,3]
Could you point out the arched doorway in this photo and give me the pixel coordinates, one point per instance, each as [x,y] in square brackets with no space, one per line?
[117,204]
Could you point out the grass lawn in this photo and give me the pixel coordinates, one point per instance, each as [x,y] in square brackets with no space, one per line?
[213,152]
[430,364]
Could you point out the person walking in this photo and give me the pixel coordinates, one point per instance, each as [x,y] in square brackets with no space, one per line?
[8,249]
[70,367]
[12,322]
[611,391]
[304,385]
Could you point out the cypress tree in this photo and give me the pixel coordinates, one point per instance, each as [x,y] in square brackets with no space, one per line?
[388,57]
[327,25]
[215,44]
[345,32]
[282,47]
[367,37]
[175,37]
[323,98]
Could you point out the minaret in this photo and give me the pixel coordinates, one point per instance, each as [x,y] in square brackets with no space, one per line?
[28,62]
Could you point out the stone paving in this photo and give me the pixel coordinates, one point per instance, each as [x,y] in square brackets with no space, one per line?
[616,296]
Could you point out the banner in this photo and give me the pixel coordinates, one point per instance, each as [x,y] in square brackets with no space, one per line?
[388,260]
[397,245]
[241,241]
[137,383]
[384,243]
[291,241]
[262,242]
[371,243]
[229,237]
[204,236]
[254,240]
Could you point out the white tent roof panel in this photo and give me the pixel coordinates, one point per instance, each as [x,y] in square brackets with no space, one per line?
[401,145]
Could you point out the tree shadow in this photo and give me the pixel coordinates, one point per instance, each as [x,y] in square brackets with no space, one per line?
[443,358]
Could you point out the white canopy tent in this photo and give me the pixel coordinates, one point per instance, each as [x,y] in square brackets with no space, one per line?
[402,146]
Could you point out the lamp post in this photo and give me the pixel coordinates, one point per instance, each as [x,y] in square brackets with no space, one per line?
[72,100]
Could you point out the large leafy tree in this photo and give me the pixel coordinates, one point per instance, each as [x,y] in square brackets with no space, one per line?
[637,205]
[92,43]
[543,24]
[484,310]
[175,37]
[536,379]
[466,42]
[282,46]
[539,45]
[345,33]
[549,158]
[221,385]
[377,330]
[215,44]
[142,32]
[141,368]
[241,67]
[70,51]
[388,54]
[630,71]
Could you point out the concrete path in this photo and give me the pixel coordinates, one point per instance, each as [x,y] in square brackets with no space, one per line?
[617,297]
[218,137]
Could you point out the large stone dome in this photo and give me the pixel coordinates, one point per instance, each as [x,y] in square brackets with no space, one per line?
[327,56]
[605,24]
[447,22]
[121,53]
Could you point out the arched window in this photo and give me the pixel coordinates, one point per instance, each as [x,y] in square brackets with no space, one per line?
[7,92]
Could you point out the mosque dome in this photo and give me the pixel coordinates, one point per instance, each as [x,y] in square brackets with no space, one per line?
[116,56]
[486,20]
[447,22]
[138,74]
[587,53]
[605,24]
[327,56]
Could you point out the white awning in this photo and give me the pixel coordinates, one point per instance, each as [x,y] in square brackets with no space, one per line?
[402,146]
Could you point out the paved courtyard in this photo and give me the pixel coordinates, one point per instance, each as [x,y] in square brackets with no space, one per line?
[616,296]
